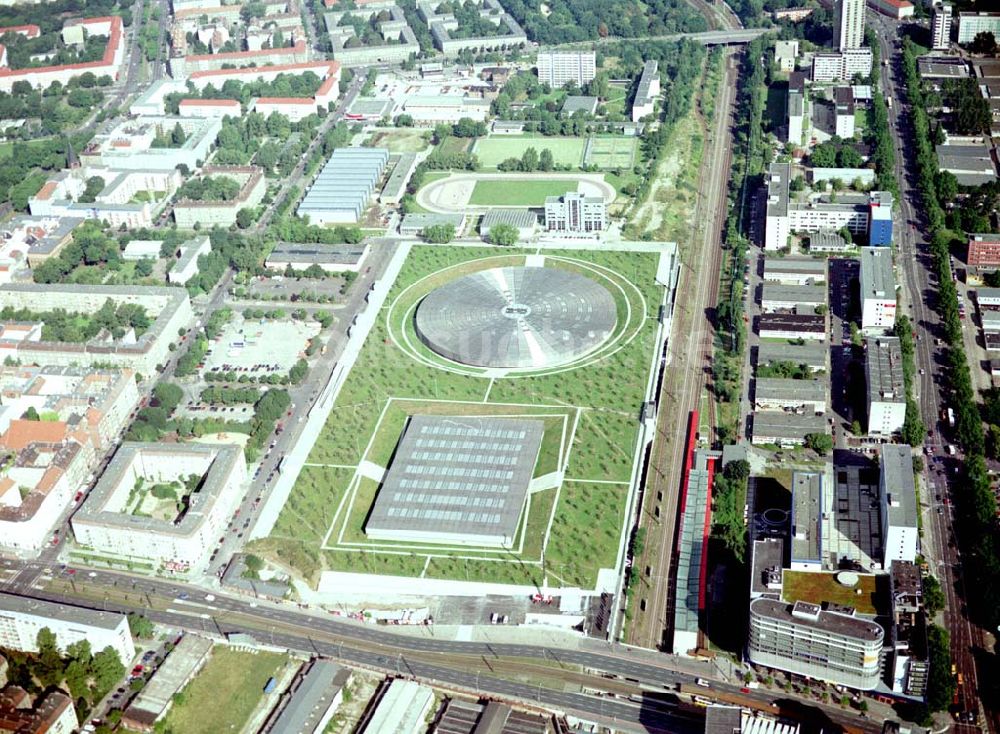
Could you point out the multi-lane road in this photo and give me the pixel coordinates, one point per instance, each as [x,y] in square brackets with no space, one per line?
[920,279]
[638,686]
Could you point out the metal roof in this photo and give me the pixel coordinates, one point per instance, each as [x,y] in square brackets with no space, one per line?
[884,370]
[346,181]
[779,388]
[807,510]
[810,354]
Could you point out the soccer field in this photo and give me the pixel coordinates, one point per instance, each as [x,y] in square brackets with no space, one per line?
[495,149]
[610,152]
[519,192]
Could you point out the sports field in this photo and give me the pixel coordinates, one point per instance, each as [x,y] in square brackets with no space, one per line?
[610,152]
[522,192]
[575,514]
[495,149]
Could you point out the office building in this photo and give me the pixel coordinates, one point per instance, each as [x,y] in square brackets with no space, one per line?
[574,212]
[344,188]
[843,102]
[804,639]
[983,252]
[557,68]
[22,618]
[117,520]
[796,107]
[898,496]
[878,289]
[842,65]
[647,92]
[785,53]
[971,24]
[886,390]
[869,214]
[783,393]
[941,26]
[848,24]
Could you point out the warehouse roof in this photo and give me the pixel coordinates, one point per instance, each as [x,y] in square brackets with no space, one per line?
[576,103]
[792,322]
[896,463]
[346,181]
[520,218]
[319,254]
[810,354]
[783,388]
[312,698]
[780,425]
[774,267]
[804,294]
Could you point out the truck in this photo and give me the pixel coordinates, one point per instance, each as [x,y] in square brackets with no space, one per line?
[888,103]
[951,417]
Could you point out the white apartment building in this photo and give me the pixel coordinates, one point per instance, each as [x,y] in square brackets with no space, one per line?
[22,618]
[796,107]
[842,65]
[878,289]
[556,68]
[644,103]
[941,26]
[898,496]
[971,24]
[886,389]
[574,212]
[785,53]
[182,543]
[848,24]
[186,266]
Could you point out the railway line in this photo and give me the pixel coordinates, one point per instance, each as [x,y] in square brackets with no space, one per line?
[687,373]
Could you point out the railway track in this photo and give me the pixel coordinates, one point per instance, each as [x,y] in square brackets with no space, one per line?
[687,374]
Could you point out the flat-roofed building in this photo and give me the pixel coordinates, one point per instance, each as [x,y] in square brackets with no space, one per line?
[895,9]
[574,212]
[785,53]
[972,23]
[524,221]
[795,270]
[796,107]
[404,164]
[984,252]
[811,327]
[806,521]
[344,187]
[941,26]
[647,92]
[829,242]
[22,618]
[898,496]
[332,258]
[971,162]
[189,213]
[842,65]
[414,225]
[557,68]
[461,716]
[207,479]
[457,480]
[721,719]
[579,103]
[142,250]
[878,289]
[185,266]
[195,107]
[942,67]
[813,356]
[778,428]
[781,393]
[804,639]
[886,389]
[766,564]
[799,298]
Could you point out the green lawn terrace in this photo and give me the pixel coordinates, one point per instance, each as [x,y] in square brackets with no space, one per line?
[575,515]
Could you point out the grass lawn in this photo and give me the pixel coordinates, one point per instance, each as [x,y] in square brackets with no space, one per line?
[522,192]
[401,141]
[390,382]
[817,588]
[453,145]
[612,152]
[223,695]
[498,148]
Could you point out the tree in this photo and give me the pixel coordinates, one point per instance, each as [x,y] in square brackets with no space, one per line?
[529,160]
[144,267]
[245,218]
[140,626]
[933,596]
[984,43]
[797,184]
[106,670]
[298,372]
[545,160]
[177,136]
[503,234]
[940,684]
[439,234]
[404,120]
[168,396]
[821,443]
[31,414]
[94,186]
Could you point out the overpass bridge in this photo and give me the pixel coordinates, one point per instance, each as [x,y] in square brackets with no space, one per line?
[705,38]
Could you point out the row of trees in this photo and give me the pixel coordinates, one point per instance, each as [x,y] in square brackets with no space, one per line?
[567,21]
[975,502]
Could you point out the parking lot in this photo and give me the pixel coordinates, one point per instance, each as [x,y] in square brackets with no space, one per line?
[259,348]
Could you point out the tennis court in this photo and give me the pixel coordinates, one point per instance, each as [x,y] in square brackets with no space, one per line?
[610,152]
